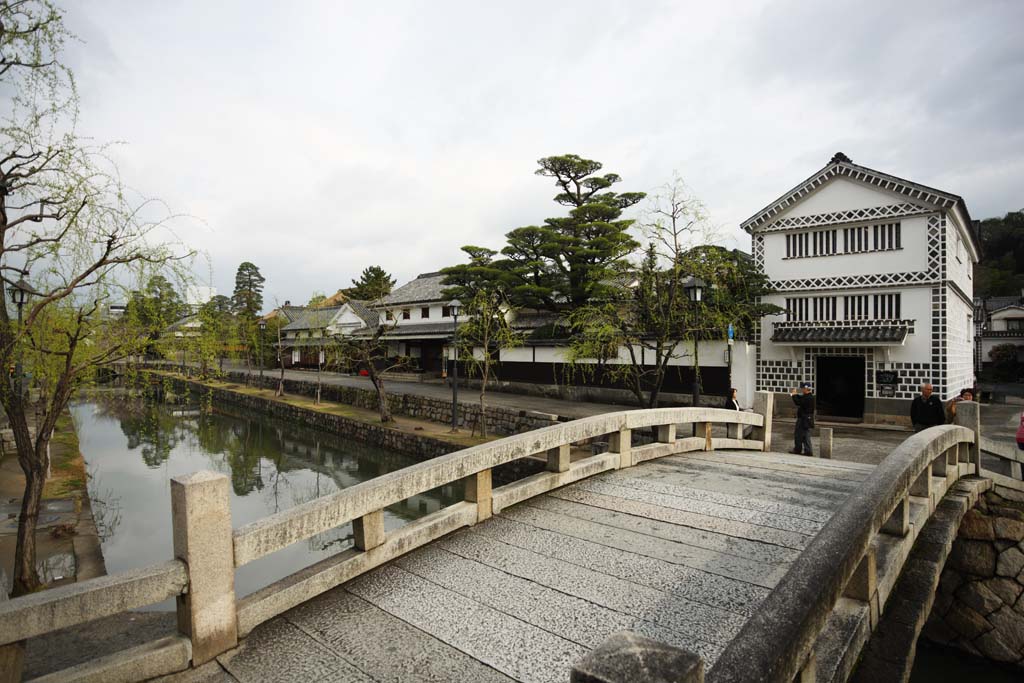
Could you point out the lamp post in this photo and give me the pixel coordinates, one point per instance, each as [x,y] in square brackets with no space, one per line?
[694,288]
[259,347]
[19,292]
[454,305]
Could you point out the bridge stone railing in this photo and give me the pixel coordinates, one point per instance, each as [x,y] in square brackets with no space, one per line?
[207,550]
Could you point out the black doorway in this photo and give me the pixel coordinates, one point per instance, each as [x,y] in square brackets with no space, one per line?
[840,387]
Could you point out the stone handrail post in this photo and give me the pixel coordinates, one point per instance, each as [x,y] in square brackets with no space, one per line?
[626,657]
[201,521]
[825,443]
[968,414]
[621,442]
[12,656]
[764,405]
[478,490]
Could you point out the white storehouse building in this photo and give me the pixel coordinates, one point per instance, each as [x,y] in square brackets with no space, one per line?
[875,275]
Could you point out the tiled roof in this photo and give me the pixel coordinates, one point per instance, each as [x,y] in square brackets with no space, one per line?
[312,318]
[363,310]
[426,287]
[871,334]
[995,303]
[432,330]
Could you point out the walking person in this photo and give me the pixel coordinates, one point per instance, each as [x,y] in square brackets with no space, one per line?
[804,401]
[926,410]
[732,403]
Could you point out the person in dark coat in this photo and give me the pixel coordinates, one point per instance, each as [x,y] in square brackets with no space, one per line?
[804,420]
[926,410]
[732,403]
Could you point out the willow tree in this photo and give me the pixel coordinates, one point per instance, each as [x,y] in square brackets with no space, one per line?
[72,237]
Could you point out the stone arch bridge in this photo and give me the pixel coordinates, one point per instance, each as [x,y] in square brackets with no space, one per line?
[685,552]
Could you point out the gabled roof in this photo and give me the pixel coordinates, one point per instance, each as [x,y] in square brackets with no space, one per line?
[313,318]
[426,287]
[840,165]
[1015,304]
[997,303]
[363,310]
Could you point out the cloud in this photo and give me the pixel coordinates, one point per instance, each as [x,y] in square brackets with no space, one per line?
[319,138]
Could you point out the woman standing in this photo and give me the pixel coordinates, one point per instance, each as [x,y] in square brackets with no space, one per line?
[732,403]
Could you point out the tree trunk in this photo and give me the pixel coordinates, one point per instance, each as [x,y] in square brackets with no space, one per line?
[382,397]
[35,464]
[483,404]
[280,382]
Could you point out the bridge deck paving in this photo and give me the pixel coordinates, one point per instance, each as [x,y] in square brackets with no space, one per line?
[682,550]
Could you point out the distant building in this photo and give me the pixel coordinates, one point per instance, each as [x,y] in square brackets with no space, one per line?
[875,274]
[1000,320]
[306,339]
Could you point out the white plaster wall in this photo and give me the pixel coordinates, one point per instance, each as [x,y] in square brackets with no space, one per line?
[520,354]
[416,314]
[959,265]
[843,194]
[959,344]
[912,257]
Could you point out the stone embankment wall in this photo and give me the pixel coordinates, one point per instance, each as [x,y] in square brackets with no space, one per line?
[979,606]
[419,446]
[500,421]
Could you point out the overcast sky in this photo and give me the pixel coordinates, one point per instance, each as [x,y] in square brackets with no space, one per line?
[316,138]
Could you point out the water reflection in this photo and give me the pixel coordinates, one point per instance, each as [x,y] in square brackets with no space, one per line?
[135,445]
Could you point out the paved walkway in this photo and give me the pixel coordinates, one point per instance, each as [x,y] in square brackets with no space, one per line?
[555,406]
[683,549]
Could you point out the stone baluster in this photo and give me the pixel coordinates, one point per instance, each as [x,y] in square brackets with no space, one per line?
[968,414]
[368,530]
[201,521]
[621,442]
[764,405]
[478,490]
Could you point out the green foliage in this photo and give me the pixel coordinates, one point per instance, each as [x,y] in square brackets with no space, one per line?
[634,338]
[248,296]
[317,299]
[80,238]
[374,283]
[569,260]
[1001,270]
[1005,366]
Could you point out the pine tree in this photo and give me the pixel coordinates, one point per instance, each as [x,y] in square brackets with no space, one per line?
[248,297]
[373,284]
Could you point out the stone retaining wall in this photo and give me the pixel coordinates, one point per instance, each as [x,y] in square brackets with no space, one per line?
[979,606]
[500,421]
[419,446]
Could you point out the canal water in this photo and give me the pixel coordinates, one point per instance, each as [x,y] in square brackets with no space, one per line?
[134,446]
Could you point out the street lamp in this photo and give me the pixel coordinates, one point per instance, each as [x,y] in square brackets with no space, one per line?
[19,293]
[259,347]
[694,288]
[455,306]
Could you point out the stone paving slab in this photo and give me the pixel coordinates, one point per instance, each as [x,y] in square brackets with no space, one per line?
[754,550]
[674,484]
[786,539]
[650,546]
[784,479]
[573,618]
[733,480]
[490,636]
[676,501]
[672,611]
[278,652]
[697,585]
[844,472]
[382,645]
